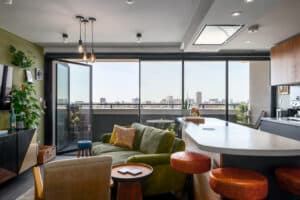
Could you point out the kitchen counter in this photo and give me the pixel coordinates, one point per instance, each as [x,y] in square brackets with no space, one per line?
[283,120]
[216,136]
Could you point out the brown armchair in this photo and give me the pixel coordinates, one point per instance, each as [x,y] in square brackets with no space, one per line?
[76,179]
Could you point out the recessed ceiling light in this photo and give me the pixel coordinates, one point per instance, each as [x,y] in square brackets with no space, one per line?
[247,42]
[236,13]
[248,1]
[130,2]
[216,34]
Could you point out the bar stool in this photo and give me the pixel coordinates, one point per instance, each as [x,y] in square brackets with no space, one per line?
[84,148]
[190,163]
[288,179]
[238,184]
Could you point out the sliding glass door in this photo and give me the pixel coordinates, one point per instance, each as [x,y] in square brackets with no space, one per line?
[73,104]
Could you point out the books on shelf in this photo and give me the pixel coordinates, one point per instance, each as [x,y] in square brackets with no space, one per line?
[126,170]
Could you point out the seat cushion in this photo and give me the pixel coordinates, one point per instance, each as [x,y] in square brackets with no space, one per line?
[288,179]
[121,156]
[157,141]
[100,148]
[239,184]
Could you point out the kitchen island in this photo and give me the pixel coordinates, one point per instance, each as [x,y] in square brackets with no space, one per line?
[243,147]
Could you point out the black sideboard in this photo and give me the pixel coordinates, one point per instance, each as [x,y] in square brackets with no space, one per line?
[13,148]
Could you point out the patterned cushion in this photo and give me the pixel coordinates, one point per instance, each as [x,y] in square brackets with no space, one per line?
[124,137]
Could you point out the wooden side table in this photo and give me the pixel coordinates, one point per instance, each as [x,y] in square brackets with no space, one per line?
[129,186]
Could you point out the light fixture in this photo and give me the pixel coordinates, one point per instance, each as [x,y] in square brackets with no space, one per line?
[92,58]
[65,37]
[138,37]
[85,58]
[253,28]
[236,13]
[8,2]
[248,42]
[80,47]
[130,2]
[216,34]
[248,1]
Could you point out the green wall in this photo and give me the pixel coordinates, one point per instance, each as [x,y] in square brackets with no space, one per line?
[35,52]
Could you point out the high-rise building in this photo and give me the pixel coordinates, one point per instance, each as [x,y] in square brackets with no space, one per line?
[170,100]
[135,100]
[102,100]
[198,98]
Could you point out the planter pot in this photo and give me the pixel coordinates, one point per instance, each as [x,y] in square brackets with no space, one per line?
[20,125]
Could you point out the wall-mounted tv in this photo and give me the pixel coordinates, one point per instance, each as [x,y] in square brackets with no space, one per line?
[6,78]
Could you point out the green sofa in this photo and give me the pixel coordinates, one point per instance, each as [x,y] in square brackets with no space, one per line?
[151,146]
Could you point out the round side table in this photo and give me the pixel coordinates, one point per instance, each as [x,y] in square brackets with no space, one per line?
[129,186]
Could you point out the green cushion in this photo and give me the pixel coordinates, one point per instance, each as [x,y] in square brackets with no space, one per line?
[99,148]
[179,145]
[121,156]
[151,159]
[139,130]
[157,141]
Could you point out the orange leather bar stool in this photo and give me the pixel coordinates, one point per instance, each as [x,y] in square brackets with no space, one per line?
[288,179]
[238,184]
[190,162]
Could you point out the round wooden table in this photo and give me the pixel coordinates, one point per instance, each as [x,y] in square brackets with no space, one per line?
[129,186]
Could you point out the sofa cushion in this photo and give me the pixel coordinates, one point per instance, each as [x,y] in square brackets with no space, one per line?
[139,131]
[124,137]
[99,148]
[121,156]
[157,141]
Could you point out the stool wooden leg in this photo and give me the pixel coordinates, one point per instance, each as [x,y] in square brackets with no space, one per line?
[129,190]
[90,151]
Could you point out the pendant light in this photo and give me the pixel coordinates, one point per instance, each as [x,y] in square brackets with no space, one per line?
[92,57]
[85,21]
[80,45]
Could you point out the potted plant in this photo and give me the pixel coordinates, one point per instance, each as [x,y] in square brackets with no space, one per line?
[26,106]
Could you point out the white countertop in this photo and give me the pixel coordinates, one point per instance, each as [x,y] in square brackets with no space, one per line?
[215,136]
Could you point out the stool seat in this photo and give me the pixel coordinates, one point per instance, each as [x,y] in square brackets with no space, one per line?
[190,162]
[239,184]
[288,179]
[84,144]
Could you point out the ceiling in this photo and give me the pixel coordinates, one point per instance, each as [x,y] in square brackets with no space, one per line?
[166,25]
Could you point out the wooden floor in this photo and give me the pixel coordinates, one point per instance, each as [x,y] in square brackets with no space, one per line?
[15,187]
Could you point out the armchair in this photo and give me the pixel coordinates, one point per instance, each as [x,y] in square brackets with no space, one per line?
[76,179]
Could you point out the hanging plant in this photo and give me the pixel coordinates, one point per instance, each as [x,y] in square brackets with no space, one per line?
[18,58]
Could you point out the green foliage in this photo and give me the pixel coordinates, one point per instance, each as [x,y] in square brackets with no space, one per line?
[18,58]
[26,106]
[242,114]
[186,105]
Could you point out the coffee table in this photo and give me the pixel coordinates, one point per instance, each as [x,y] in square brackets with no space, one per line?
[129,186]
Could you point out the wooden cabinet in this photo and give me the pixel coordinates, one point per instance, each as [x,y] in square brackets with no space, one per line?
[285,62]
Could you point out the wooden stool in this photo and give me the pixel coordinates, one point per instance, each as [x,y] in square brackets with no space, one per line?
[190,163]
[288,179]
[84,148]
[239,184]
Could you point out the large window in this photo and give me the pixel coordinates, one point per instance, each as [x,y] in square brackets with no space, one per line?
[205,87]
[161,84]
[116,84]
[238,87]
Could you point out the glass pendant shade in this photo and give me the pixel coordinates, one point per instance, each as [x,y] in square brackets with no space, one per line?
[92,58]
[80,47]
[85,58]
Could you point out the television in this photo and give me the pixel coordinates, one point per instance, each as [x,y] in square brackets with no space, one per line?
[6,78]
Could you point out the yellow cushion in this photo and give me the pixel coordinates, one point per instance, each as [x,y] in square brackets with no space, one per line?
[124,137]
[113,134]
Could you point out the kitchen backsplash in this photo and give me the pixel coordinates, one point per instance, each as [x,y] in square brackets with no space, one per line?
[285,101]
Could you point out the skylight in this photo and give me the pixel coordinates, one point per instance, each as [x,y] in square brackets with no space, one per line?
[216,34]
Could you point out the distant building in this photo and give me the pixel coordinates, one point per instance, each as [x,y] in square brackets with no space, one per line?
[198,98]
[135,100]
[213,101]
[170,100]
[102,100]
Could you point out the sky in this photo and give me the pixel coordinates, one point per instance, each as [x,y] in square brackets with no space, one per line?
[119,81]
